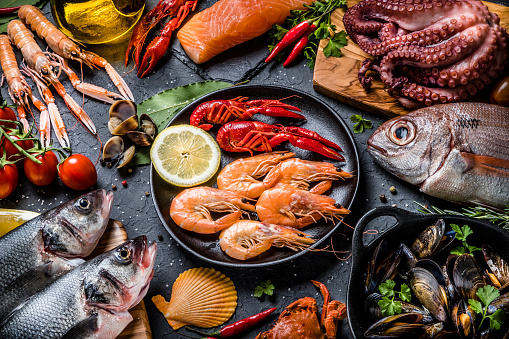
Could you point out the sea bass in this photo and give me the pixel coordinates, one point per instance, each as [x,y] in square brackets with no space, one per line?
[91,301]
[457,152]
[228,23]
[37,252]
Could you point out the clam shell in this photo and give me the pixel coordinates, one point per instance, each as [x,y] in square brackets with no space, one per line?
[201,297]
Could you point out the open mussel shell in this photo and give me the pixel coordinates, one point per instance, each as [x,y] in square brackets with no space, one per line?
[463,319]
[467,277]
[430,293]
[123,117]
[408,260]
[498,266]
[378,273]
[432,240]
[500,303]
[396,325]
[374,310]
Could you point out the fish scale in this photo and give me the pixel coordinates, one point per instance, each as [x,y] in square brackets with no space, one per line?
[457,152]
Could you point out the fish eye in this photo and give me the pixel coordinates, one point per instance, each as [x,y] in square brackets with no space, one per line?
[83,204]
[45,71]
[402,132]
[123,254]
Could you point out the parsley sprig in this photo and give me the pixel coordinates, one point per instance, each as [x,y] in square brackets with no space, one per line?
[264,287]
[325,30]
[487,294]
[388,305]
[360,123]
[461,234]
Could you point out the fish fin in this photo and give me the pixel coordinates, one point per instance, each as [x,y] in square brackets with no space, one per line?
[84,329]
[483,163]
[9,315]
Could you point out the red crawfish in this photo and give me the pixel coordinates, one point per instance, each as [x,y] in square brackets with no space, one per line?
[249,136]
[222,111]
[178,10]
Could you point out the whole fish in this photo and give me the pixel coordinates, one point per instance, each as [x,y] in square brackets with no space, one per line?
[37,252]
[91,301]
[457,152]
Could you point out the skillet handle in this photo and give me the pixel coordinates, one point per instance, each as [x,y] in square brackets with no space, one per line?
[401,216]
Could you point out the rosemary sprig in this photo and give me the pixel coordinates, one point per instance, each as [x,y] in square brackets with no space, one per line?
[498,218]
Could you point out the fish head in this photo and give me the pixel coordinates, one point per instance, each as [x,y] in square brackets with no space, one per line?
[123,277]
[413,146]
[74,229]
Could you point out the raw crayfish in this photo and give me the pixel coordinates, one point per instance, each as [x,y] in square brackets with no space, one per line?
[249,136]
[300,319]
[178,9]
[222,111]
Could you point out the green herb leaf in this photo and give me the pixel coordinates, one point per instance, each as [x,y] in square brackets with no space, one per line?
[389,306]
[405,293]
[472,248]
[322,32]
[497,319]
[4,20]
[360,123]
[476,305]
[387,288]
[264,287]
[459,250]
[166,104]
[487,294]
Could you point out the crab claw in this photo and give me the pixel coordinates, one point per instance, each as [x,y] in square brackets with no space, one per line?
[155,50]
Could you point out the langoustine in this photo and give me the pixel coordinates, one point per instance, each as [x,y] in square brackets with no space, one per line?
[290,206]
[248,238]
[191,208]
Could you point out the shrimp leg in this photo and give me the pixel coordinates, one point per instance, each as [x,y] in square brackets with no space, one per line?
[65,47]
[38,61]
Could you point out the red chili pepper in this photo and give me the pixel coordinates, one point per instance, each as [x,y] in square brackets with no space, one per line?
[239,326]
[8,10]
[290,36]
[299,46]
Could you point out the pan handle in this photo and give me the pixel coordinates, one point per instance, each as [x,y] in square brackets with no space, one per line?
[399,214]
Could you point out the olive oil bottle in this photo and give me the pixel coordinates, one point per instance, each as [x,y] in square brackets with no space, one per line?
[96,21]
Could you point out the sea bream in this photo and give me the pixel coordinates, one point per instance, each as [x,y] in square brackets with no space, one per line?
[37,252]
[91,301]
[457,152]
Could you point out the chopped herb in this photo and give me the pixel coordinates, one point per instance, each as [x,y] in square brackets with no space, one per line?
[387,304]
[360,123]
[487,294]
[264,287]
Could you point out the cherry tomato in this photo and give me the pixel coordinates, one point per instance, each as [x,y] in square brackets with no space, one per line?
[42,174]
[11,149]
[77,172]
[8,180]
[6,113]
[500,92]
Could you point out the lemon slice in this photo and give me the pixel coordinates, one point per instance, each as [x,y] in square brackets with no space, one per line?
[10,219]
[185,155]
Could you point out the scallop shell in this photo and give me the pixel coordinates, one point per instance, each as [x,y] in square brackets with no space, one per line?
[201,297]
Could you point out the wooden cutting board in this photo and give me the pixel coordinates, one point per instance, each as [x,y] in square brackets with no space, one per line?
[139,328]
[337,77]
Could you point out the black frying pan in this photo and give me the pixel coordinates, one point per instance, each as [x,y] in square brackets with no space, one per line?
[408,226]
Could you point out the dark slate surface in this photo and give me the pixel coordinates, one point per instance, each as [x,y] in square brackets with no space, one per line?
[136,211]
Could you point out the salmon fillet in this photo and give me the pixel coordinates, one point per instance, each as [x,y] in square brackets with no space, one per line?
[230,22]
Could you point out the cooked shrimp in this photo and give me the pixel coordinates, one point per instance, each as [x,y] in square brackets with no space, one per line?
[240,176]
[191,208]
[38,61]
[290,206]
[300,173]
[65,47]
[247,239]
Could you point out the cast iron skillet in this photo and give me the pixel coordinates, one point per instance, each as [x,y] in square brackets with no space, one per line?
[320,118]
[409,225]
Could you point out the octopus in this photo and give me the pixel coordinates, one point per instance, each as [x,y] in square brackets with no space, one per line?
[428,51]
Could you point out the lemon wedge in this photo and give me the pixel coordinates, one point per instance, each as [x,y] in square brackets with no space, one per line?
[10,219]
[185,155]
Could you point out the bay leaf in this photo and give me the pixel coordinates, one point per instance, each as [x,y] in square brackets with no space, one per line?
[4,20]
[163,106]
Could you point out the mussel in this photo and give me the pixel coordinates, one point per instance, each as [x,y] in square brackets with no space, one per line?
[378,273]
[467,277]
[463,319]
[396,325]
[371,307]
[123,117]
[147,132]
[430,293]
[432,240]
[113,152]
[498,266]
